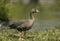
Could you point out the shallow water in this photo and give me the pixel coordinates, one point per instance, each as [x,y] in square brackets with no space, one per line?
[47,22]
[43,24]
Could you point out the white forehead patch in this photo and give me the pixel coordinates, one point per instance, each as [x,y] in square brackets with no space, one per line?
[37,10]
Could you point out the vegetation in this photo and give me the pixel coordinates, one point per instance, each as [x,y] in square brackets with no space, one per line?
[47,35]
[18,11]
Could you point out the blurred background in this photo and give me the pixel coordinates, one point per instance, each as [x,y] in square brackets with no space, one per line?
[47,21]
[48,17]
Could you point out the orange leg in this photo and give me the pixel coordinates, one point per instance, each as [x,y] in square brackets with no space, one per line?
[20,35]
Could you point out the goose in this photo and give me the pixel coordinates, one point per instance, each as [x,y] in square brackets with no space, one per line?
[24,25]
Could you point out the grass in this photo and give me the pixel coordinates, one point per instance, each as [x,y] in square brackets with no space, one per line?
[47,35]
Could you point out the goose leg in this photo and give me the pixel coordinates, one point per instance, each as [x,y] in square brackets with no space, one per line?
[24,33]
[20,35]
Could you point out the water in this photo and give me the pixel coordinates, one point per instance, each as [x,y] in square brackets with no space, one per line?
[50,20]
[43,24]
[48,23]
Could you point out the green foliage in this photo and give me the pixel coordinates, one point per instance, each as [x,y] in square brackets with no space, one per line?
[3,10]
[3,13]
[47,35]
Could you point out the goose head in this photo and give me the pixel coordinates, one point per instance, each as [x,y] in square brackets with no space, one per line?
[34,10]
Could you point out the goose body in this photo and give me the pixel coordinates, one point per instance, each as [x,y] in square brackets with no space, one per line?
[24,25]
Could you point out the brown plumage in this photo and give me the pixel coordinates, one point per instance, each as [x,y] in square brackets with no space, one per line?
[24,25]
